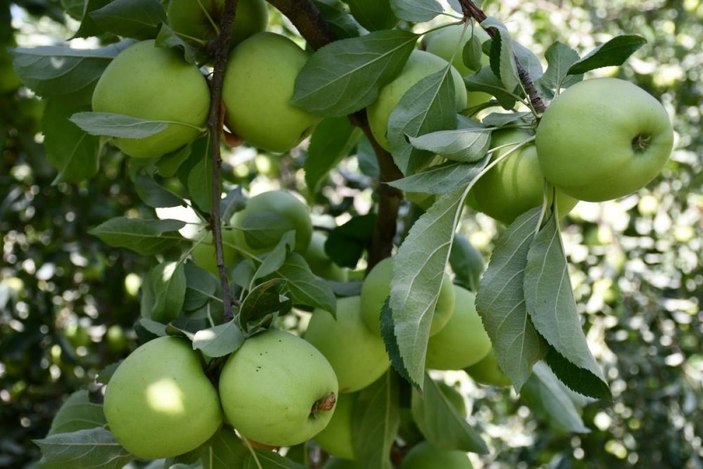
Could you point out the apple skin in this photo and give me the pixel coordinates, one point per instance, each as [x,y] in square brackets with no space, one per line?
[516,184]
[319,263]
[420,64]
[487,371]
[373,14]
[336,438]
[463,341]
[294,213]
[258,85]
[159,403]
[270,385]
[425,456]
[444,42]
[603,138]
[195,20]
[204,254]
[153,83]
[377,286]
[357,355]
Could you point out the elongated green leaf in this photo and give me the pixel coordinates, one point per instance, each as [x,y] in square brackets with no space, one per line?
[486,81]
[144,236]
[550,303]
[168,283]
[441,179]
[418,269]
[198,174]
[416,11]
[462,145]
[220,340]
[467,263]
[77,413]
[116,125]
[560,58]
[263,302]
[429,105]
[346,243]
[501,302]
[275,259]
[201,287]
[93,448]
[304,286]
[346,76]
[139,19]
[614,52]
[331,141]
[502,55]
[88,27]
[223,451]
[375,422]
[154,194]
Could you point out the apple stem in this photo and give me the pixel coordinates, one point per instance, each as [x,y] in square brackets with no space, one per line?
[324,404]
[215,125]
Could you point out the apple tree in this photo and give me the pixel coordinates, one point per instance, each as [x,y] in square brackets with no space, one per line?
[272,313]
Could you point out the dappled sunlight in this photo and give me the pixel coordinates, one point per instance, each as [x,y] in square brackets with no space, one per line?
[165,396]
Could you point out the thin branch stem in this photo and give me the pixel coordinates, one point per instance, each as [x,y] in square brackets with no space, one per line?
[215,125]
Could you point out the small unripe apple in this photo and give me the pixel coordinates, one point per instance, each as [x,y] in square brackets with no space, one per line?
[318,261]
[336,438]
[426,456]
[277,389]
[204,254]
[159,403]
[420,64]
[377,287]
[154,83]
[445,43]
[463,341]
[258,85]
[357,355]
[487,371]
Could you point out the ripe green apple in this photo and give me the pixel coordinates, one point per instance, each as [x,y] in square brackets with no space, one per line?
[446,43]
[258,85]
[377,286]
[198,21]
[277,389]
[463,341]
[154,83]
[425,456]
[159,403]
[603,138]
[252,227]
[420,64]
[487,371]
[373,14]
[357,355]
[204,254]
[336,438]
[516,184]
[319,263]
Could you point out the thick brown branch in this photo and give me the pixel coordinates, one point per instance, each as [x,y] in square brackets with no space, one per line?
[215,125]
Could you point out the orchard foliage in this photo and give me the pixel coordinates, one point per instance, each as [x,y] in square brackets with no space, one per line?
[256,272]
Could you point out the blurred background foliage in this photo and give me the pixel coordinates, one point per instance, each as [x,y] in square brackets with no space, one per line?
[67,302]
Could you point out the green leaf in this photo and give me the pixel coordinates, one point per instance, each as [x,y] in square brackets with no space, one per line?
[143,236]
[139,19]
[90,448]
[277,256]
[331,141]
[502,55]
[614,52]
[223,451]
[88,27]
[467,263]
[440,422]
[501,302]
[486,81]
[116,125]
[77,413]
[429,105]
[346,243]
[375,421]
[196,173]
[441,179]
[544,392]
[263,303]
[472,53]
[154,194]
[342,23]
[346,75]
[416,11]
[552,308]
[418,268]
[220,340]
[462,145]
[560,58]
[74,153]
[304,286]
[168,283]
[201,288]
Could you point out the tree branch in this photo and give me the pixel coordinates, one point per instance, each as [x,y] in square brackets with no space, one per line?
[313,27]
[215,125]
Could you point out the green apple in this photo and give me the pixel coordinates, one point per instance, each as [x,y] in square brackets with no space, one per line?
[159,403]
[377,286]
[515,184]
[258,85]
[268,216]
[319,263]
[463,341]
[426,456]
[336,438]
[448,43]
[357,355]
[487,371]
[420,64]
[277,389]
[204,254]
[603,138]
[373,14]
[154,83]
[198,21]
